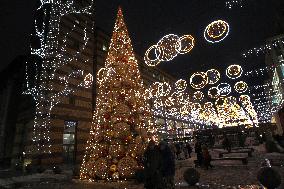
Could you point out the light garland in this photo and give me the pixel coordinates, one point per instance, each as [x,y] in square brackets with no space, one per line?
[181,85]
[122,123]
[224,89]
[241,87]
[264,48]
[54,55]
[198,95]
[198,84]
[213,92]
[234,71]
[216,31]
[213,76]
[234,3]
[168,48]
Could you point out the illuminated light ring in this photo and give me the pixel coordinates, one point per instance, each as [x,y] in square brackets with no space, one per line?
[198,95]
[170,45]
[88,80]
[213,76]
[203,83]
[244,98]
[165,89]
[234,71]
[212,95]
[208,105]
[156,89]
[189,47]
[181,85]
[152,62]
[101,74]
[241,87]
[224,89]
[211,38]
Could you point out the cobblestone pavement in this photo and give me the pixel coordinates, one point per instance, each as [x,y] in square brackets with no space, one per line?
[224,175]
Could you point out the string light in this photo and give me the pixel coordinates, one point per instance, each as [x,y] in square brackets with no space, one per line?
[264,48]
[241,87]
[198,80]
[213,92]
[168,48]
[234,3]
[198,95]
[224,89]
[54,56]
[213,76]
[122,123]
[234,71]
[216,31]
[181,85]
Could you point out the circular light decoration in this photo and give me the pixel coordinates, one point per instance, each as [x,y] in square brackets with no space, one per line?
[198,80]
[244,98]
[213,92]
[208,105]
[224,89]
[165,89]
[88,80]
[213,76]
[155,89]
[155,61]
[181,85]
[216,31]
[241,87]
[101,74]
[187,44]
[234,71]
[198,95]
[171,46]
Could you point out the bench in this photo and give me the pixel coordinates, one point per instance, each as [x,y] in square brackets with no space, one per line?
[243,148]
[249,152]
[242,159]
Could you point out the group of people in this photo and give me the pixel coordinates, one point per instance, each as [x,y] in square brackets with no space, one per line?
[159,166]
[181,150]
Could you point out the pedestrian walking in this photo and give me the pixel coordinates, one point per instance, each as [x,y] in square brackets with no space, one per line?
[168,166]
[206,157]
[198,151]
[189,149]
[152,167]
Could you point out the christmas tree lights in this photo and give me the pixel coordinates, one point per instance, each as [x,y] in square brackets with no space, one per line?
[122,122]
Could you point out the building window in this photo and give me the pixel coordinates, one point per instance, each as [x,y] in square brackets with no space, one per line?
[69,141]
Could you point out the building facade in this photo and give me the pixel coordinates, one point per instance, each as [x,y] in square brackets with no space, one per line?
[71,119]
[274,89]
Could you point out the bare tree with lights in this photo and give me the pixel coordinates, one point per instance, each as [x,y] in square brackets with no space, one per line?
[53,52]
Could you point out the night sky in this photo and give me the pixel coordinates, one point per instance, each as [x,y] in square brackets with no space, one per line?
[150,20]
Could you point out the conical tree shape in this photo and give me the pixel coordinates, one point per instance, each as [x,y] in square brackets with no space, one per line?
[118,135]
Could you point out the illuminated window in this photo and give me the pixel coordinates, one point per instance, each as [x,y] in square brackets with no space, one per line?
[69,141]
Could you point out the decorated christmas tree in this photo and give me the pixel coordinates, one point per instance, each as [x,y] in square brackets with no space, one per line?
[122,123]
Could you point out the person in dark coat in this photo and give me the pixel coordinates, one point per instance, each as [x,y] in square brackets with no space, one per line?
[189,149]
[198,151]
[178,150]
[168,166]
[206,157]
[152,167]
[227,143]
